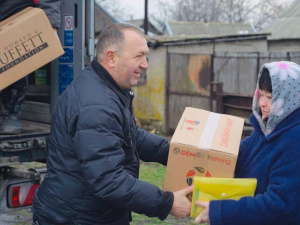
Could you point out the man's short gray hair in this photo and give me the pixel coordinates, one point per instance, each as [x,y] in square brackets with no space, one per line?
[113,37]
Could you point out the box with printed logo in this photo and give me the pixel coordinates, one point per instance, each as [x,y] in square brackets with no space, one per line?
[27,42]
[204,144]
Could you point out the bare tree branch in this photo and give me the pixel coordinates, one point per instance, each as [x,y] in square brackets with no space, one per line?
[259,14]
[234,11]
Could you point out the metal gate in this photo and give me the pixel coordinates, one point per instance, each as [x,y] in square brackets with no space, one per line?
[187,85]
[238,71]
[235,78]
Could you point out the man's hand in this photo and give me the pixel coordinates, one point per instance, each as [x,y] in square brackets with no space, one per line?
[203,217]
[182,205]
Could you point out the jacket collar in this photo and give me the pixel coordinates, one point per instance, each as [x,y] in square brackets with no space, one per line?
[125,96]
[290,121]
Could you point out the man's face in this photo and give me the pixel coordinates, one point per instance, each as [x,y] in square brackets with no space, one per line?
[265,103]
[131,59]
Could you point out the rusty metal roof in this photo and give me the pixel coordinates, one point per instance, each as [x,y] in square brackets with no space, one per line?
[191,39]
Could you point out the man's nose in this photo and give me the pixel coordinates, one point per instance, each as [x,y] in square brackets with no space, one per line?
[144,64]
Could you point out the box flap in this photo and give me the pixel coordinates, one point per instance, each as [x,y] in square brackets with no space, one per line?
[19,17]
[11,18]
[190,127]
[207,130]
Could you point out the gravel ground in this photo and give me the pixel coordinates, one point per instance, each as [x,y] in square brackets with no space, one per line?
[20,217]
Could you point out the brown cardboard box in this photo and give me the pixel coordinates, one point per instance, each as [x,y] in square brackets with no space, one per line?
[27,42]
[204,144]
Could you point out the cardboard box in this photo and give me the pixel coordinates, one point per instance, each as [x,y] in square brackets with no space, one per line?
[204,144]
[27,42]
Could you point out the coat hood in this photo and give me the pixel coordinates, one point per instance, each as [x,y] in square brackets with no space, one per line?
[285,79]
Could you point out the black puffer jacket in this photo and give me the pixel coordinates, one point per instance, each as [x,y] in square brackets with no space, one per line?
[93,161]
[50,7]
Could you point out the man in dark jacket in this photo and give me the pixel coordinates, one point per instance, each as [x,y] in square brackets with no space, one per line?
[95,144]
[13,96]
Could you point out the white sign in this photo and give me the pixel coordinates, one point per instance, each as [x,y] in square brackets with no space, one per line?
[68,22]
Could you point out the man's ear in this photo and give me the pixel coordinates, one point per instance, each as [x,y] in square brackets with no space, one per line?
[111,57]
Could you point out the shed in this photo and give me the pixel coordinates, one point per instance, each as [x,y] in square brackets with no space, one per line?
[151,27]
[187,28]
[285,30]
[181,70]
[103,18]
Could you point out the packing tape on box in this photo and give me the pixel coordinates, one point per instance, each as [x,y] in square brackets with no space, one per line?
[209,131]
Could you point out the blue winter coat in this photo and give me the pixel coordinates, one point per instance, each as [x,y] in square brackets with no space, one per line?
[93,161]
[275,161]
